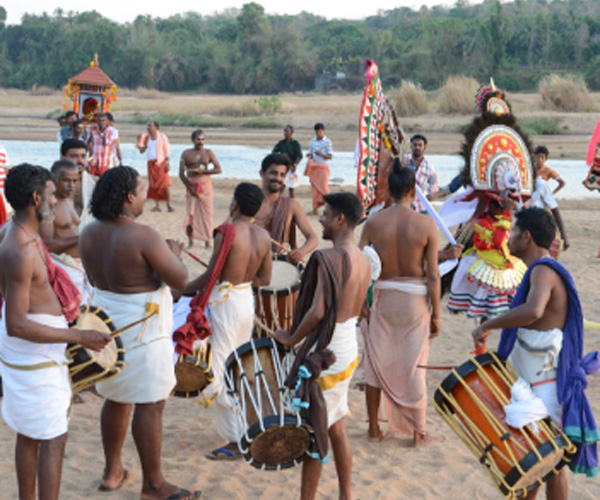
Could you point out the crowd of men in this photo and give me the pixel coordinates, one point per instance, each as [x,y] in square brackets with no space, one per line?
[74,237]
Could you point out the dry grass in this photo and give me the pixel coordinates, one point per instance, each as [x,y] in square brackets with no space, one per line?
[457,95]
[565,93]
[42,90]
[142,93]
[410,99]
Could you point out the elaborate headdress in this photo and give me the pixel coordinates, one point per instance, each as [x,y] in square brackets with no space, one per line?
[496,151]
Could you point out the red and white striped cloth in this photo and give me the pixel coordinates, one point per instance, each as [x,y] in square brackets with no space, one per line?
[3,169]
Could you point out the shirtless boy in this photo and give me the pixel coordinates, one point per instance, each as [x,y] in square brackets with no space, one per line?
[195,175]
[231,310]
[33,337]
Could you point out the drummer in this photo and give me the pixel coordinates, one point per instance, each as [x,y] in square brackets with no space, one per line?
[34,333]
[543,338]
[242,259]
[280,214]
[329,301]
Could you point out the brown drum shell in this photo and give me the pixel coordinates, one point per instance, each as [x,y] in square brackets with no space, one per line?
[285,299]
[278,446]
[504,443]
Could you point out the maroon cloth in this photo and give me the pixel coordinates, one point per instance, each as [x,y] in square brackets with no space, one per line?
[3,214]
[332,269]
[278,222]
[67,293]
[196,325]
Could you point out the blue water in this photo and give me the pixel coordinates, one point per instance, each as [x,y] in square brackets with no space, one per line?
[243,162]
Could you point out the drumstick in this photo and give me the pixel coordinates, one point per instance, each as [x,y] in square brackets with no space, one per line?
[130,325]
[197,259]
[437,367]
[279,245]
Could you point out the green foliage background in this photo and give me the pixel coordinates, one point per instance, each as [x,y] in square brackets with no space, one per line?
[246,51]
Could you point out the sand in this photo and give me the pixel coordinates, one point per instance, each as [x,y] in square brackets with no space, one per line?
[390,469]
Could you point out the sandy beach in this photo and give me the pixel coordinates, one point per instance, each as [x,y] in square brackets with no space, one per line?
[390,469]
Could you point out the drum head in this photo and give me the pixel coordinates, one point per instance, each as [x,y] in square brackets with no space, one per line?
[94,318]
[285,278]
[191,377]
[278,446]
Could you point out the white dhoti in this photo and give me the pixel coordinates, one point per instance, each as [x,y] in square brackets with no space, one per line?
[148,375]
[87,188]
[74,268]
[231,316]
[535,358]
[335,381]
[36,384]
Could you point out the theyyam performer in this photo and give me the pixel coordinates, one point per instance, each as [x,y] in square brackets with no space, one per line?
[498,174]
[131,273]
[543,339]
[241,259]
[40,302]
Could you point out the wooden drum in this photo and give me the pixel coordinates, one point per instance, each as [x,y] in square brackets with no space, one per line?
[471,401]
[87,366]
[271,436]
[275,303]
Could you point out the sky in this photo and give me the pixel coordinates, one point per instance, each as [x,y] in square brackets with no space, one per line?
[121,12]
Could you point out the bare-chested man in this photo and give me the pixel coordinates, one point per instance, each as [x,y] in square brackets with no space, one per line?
[280,214]
[405,312]
[34,333]
[75,150]
[328,321]
[61,235]
[131,267]
[195,174]
[543,339]
[231,311]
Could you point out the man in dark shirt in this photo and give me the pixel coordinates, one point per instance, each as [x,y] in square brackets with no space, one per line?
[291,148]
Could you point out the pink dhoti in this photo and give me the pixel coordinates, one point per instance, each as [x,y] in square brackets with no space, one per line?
[396,342]
[318,174]
[199,211]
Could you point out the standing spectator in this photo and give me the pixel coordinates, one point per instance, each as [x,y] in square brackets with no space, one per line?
[156,145]
[117,146]
[101,146]
[541,154]
[320,151]
[291,148]
[66,130]
[80,132]
[424,171]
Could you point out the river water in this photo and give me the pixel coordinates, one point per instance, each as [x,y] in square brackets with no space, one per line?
[243,162]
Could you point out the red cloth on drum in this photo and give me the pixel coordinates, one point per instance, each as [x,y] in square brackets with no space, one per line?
[67,293]
[158,180]
[278,224]
[196,325]
[332,269]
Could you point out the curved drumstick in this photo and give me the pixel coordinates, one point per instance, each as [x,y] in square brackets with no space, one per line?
[197,259]
[131,325]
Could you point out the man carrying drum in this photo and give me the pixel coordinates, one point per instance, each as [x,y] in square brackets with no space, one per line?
[279,214]
[131,267]
[543,339]
[241,259]
[40,301]
[331,296]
